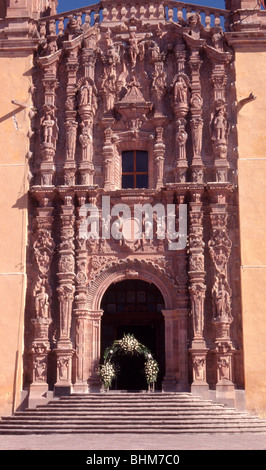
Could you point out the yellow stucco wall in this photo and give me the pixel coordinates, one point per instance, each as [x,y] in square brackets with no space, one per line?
[251,77]
[15,83]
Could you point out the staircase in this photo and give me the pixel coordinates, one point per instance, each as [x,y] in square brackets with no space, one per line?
[131,413]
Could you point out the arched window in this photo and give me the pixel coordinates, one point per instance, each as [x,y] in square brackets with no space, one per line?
[135,169]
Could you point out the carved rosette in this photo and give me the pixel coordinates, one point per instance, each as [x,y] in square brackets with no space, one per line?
[220,249]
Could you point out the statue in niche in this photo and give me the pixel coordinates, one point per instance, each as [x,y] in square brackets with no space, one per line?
[85,94]
[71,139]
[42,303]
[108,89]
[222,300]
[50,131]
[181,138]
[181,91]
[197,125]
[85,140]
[220,124]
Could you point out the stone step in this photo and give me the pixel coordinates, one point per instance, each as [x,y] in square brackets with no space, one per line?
[103,413]
[125,428]
[98,413]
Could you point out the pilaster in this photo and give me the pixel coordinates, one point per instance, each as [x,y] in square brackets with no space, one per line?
[197,290]
[220,249]
[66,275]
[43,248]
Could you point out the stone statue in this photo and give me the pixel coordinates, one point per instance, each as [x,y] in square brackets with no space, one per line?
[181,91]
[85,94]
[220,125]
[42,303]
[48,125]
[133,48]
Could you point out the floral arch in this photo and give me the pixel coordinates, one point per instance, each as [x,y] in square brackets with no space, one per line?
[128,345]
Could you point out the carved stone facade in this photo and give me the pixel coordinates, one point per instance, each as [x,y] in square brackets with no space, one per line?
[155,81]
[133,80]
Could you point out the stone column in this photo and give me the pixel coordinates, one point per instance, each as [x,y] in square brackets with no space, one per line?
[220,250]
[71,124]
[197,291]
[87,109]
[108,160]
[195,45]
[43,248]
[81,311]
[48,122]
[181,105]
[219,126]
[159,154]
[94,337]
[64,351]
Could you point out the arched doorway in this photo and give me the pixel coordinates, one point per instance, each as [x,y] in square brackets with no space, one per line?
[134,306]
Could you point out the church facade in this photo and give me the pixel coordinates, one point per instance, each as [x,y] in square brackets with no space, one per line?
[137,146]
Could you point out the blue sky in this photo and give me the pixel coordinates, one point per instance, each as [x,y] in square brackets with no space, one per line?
[65,5]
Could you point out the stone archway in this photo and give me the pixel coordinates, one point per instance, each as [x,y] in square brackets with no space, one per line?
[134,307]
[176,352]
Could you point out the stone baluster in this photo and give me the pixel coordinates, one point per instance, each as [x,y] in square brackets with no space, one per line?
[43,248]
[66,289]
[197,290]
[220,249]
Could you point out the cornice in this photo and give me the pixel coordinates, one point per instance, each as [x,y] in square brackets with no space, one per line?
[255,39]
